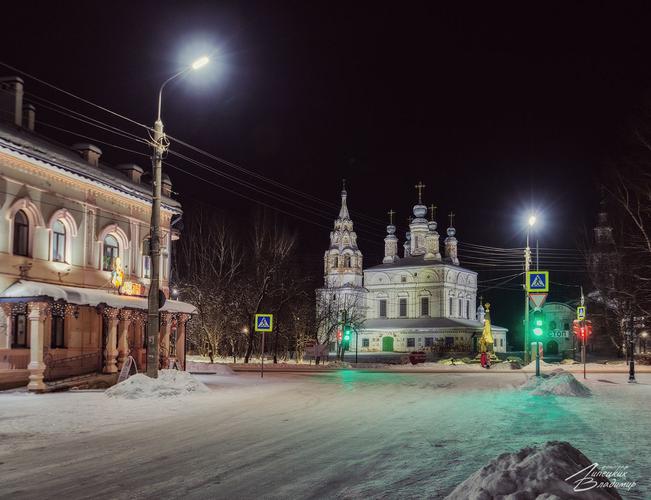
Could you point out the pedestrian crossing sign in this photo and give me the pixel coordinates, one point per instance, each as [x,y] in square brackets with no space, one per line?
[264,322]
[537,281]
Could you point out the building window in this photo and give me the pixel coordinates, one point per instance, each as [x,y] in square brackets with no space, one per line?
[21,234]
[501,342]
[111,251]
[411,342]
[58,242]
[552,325]
[403,279]
[364,342]
[450,305]
[424,306]
[403,307]
[19,331]
[347,261]
[460,307]
[383,308]
[335,262]
[449,341]
[567,327]
[429,341]
[57,339]
[468,309]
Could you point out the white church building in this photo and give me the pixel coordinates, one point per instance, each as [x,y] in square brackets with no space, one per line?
[423,300]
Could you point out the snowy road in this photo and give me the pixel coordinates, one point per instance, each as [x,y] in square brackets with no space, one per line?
[338,435]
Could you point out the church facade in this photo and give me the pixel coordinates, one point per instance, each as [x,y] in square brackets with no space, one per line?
[422,300]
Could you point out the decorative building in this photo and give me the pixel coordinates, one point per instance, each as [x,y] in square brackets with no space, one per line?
[74,263]
[423,300]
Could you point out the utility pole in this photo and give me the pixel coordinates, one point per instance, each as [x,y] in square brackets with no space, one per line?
[527,265]
[153,326]
[583,340]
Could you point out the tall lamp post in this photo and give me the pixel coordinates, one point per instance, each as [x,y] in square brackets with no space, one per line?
[527,264]
[160,145]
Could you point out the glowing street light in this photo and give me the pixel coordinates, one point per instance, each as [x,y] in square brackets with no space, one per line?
[532,220]
[160,144]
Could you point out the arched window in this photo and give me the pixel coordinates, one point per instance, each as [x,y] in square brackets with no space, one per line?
[347,261]
[111,251]
[336,262]
[21,233]
[58,242]
[552,325]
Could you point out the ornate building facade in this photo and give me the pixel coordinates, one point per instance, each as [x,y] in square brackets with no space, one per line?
[421,300]
[74,263]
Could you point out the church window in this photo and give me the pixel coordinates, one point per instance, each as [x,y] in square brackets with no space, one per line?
[429,341]
[460,307]
[450,307]
[403,279]
[468,309]
[552,325]
[383,308]
[501,342]
[364,342]
[19,331]
[424,306]
[411,342]
[335,262]
[403,307]
[347,261]
[449,341]
[567,326]
[21,233]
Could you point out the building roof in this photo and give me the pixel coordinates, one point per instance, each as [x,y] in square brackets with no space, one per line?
[415,261]
[35,290]
[424,323]
[22,142]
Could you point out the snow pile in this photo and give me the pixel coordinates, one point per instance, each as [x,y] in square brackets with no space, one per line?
[558,382]
[170,383]
[451,361]
[533,473]
[339,364]
[212,368]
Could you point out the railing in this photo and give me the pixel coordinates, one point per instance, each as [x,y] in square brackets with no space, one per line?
[14,359]
[72,366]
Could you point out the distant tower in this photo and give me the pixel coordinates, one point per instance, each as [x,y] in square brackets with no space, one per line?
[432,251]
[418,227]
[604,261]
[342,262]
[451,242]
[390,242]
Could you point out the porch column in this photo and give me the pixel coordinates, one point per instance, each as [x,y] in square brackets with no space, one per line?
[180,338]
[165,326]
[36,367]
[5,326]
[111,351]
[123,336]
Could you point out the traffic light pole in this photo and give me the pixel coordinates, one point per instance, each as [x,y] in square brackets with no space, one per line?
[583,353]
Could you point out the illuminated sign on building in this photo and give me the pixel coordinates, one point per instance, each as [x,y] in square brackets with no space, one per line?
[133,288]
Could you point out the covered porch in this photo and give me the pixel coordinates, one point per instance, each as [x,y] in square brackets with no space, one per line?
[50,332]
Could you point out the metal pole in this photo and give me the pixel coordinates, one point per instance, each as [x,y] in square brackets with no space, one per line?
[262,358]
[356,347]
[583,355]
[537,360]
[631,348]
[527,256]
[154,249]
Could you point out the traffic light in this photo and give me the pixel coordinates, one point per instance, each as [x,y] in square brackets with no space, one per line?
[347,331]
[339,335]
[537,323]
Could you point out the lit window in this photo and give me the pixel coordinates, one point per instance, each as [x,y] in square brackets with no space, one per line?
[146,259]
[58,242]
[403,307]
[111,251]
[19,331]
[21,233]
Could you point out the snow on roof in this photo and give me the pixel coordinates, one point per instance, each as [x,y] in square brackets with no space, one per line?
[416,261]
[420,323]
[86,296]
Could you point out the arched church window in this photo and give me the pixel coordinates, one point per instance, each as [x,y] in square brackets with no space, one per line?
[21,233]
[347,261]
[111,251]
[58,242]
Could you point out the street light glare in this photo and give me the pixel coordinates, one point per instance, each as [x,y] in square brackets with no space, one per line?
[532,220]
[201,62]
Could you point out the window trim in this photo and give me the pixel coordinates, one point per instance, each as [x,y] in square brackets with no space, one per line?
[424,300]
[401,301]
[113,255]
[57,238]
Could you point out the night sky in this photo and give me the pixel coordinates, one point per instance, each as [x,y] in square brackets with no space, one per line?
[496,110]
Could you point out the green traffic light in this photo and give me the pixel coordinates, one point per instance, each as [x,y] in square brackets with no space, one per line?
[537,331]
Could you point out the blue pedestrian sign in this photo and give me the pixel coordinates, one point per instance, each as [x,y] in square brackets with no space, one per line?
[537,281]
[264,322]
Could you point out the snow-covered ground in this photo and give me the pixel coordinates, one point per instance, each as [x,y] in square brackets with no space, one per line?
[344,434]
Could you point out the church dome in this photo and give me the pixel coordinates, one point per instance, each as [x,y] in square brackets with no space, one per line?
[420,211]
[451,232]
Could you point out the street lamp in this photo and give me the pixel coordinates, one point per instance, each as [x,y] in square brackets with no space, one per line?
[160,145]
[527,264]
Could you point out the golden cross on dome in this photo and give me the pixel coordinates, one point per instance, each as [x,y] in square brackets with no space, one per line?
[451,215]
[420,187]
[391,213]
[432,211]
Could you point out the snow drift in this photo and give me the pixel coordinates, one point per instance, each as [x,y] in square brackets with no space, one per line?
[212,368]
[170,383]
[533,473]
[558,382]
